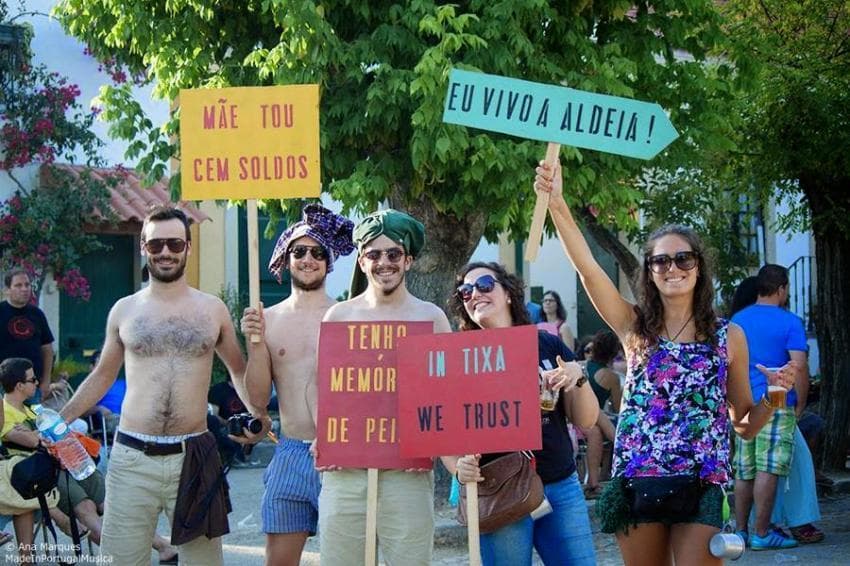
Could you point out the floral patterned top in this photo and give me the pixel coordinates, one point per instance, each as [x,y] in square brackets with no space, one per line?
[674,418]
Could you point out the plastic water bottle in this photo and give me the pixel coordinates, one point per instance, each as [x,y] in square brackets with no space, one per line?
[71,453]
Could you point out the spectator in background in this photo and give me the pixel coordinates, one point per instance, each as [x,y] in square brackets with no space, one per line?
[796,503]
[585,345]
[24,332]
[606,386]
[774,337]
[555,319]
[225,403]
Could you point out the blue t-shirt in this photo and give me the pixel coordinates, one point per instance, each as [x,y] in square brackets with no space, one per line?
[771,332]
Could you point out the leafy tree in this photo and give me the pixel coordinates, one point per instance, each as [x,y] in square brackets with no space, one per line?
[796,131]
[383,70]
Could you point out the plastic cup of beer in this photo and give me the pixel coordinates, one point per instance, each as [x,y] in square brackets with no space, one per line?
[548,397]
[776,393]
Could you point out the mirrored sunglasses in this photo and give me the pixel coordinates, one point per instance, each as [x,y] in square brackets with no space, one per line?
[484,284]
[662,263]
[393,254]
[318,252]
[175,245]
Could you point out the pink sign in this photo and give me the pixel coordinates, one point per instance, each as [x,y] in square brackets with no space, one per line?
[469,392]
[358,380]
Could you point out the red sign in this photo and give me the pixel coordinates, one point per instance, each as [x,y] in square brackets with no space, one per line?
[469,392]
[358,425]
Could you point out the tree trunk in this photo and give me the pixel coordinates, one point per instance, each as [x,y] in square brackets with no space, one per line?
[609,242]
[449,243]
[832,311]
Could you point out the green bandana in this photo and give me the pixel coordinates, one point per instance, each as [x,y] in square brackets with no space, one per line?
[397,226]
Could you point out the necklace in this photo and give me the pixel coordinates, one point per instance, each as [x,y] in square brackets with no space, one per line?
[673,339]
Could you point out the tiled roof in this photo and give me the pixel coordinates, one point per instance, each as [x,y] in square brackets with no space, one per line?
[129,199]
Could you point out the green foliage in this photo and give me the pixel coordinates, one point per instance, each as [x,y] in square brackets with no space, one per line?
[796,115]
[383,70]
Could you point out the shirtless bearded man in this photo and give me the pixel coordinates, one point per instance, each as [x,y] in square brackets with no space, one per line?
[288,356]
[165,335]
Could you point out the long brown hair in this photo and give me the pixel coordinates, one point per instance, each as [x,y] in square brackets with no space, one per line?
[512,284]
[649,323]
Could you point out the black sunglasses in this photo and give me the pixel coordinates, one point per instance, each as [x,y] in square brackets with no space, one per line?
[484,284]
[662,263]
[33,380]
[318,252]
[175,245]
[393,254]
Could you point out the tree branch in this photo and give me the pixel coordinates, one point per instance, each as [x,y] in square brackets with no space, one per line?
[20,186]
[610,243]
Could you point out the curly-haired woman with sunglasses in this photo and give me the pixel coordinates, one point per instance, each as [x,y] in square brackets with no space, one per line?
[686,370]
[489,297]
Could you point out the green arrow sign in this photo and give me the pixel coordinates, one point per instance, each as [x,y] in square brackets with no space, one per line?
[557,114]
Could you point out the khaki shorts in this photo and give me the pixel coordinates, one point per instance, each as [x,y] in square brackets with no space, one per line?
[770,451]
[138,489]
[405,517]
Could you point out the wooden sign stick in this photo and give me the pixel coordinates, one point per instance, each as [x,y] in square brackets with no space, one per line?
[472,524]
[371,517]
[253,259]
[535,233]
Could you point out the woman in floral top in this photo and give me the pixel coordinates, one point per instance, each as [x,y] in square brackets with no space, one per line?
[687,370]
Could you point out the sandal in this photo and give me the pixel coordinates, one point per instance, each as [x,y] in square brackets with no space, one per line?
[5,538]
[173,560]
[807,534]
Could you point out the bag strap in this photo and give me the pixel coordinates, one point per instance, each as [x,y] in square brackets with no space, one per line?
[75,531]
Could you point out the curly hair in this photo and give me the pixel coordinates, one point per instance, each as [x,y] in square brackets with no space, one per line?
[512,284]
[649,323]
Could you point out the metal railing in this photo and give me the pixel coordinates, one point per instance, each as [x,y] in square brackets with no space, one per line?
[801,289]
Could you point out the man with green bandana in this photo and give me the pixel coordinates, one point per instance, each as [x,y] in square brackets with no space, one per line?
[387,243]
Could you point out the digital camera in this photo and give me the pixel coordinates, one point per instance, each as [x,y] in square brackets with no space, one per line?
[236,423]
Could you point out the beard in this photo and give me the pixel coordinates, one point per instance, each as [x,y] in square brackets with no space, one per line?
[167,277]
[386,289]
[305,285]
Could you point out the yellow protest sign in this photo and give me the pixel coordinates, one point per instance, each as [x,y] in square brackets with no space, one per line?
[250,142]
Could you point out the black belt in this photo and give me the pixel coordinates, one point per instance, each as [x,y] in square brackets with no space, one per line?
[149,448]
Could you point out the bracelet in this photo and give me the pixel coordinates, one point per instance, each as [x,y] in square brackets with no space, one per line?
[765,400]
[457,476]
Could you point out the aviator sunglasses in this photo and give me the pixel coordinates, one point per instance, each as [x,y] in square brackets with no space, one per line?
[662,263]
[484,284]
[318,252]
[175,245]
[393,254]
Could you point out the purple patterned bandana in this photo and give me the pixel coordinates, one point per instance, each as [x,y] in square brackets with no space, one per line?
[332,231]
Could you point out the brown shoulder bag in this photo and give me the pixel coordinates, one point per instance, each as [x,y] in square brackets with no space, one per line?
[511,490]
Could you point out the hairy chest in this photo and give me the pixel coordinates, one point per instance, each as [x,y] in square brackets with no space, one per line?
[183,335]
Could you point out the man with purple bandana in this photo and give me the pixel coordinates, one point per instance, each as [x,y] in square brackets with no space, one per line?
[287,355]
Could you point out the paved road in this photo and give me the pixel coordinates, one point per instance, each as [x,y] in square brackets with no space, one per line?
[244,546]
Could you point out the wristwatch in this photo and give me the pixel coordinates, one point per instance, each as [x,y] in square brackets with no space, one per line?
[581,381]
